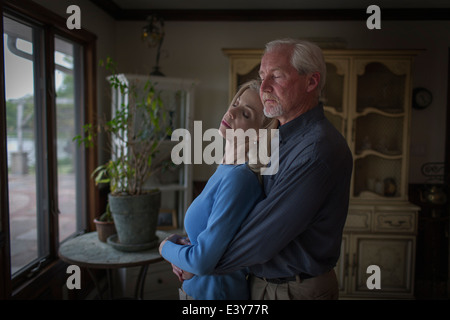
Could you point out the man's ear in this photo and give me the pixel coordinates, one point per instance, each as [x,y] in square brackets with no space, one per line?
[313,81]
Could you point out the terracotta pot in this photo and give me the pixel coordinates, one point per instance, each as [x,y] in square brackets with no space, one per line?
[104,229]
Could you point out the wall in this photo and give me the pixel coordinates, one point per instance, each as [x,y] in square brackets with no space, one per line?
[194,50]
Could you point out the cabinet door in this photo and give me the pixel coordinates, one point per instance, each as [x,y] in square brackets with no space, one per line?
[394,255]
[334,96]
[241,71]
[379,123]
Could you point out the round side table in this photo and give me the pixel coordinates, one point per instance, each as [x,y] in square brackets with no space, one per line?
[89,252]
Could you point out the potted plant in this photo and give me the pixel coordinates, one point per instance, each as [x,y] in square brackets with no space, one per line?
[135,131]
[105,225]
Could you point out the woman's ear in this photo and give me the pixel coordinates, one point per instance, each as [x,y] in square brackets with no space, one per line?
[313,82]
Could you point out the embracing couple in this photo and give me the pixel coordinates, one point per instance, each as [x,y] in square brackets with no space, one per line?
[253,236]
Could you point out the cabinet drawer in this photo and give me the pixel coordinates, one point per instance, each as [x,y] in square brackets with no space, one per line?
[358,220]
[395,222]
[161,283]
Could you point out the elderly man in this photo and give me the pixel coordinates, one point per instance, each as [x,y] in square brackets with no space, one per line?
[291,240]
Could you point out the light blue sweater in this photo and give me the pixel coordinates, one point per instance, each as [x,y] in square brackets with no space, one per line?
[211,223]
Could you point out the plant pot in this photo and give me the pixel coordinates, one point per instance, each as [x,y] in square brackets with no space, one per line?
[136,219]
[104,229]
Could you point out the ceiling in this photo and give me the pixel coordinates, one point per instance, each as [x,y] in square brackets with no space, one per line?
[279,4]
[261,10]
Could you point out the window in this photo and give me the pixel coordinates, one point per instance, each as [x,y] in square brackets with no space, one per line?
[47,78]
[28,174]
[68,73]
[24,143]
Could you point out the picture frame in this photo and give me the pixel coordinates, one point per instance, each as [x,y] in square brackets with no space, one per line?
[167,219]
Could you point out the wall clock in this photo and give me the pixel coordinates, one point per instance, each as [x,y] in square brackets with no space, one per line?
[422,98]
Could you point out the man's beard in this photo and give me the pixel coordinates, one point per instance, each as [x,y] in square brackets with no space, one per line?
[274,110]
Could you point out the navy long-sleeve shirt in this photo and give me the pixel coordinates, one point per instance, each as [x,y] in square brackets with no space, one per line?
[298,227]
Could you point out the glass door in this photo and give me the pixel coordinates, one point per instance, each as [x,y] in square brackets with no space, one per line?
[334,97]
[378,133]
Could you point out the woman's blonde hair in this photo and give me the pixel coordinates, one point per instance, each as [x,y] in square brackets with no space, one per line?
[268,123]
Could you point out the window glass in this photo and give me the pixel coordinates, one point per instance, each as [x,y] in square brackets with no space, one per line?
[28,143]
[23,144]
[68,109]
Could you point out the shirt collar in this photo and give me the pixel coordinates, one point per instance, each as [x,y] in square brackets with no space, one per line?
[299,124]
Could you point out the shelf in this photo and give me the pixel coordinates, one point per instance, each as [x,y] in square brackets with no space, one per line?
[394,156]
[372,195]
[368,110]
[170,187]
[333,111]
[379,135]
[370,173]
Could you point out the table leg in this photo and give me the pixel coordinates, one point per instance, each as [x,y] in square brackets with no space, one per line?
[96,284]
[139,290]
[110,283]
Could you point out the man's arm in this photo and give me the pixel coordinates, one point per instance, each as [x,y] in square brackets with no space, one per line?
[281,217]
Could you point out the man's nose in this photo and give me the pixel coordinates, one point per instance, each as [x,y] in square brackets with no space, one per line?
[265,86]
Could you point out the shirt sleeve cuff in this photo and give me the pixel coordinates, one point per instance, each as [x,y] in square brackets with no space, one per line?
[170,251]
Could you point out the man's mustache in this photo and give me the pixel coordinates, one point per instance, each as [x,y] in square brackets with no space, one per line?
[269,97]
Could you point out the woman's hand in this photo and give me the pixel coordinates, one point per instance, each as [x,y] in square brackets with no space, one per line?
[181,274]
[178,272]
[175,238]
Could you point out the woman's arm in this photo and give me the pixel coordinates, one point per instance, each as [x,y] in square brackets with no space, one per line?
[177,239]
[237,194]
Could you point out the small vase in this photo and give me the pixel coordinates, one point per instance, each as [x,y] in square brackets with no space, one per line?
[104,229]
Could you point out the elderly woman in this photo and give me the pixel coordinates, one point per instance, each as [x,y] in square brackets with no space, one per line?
[216,214]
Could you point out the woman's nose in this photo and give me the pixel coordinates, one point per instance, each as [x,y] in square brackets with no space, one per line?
[231,114]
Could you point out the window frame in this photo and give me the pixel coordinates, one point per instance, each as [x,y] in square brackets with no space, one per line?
[53,26]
